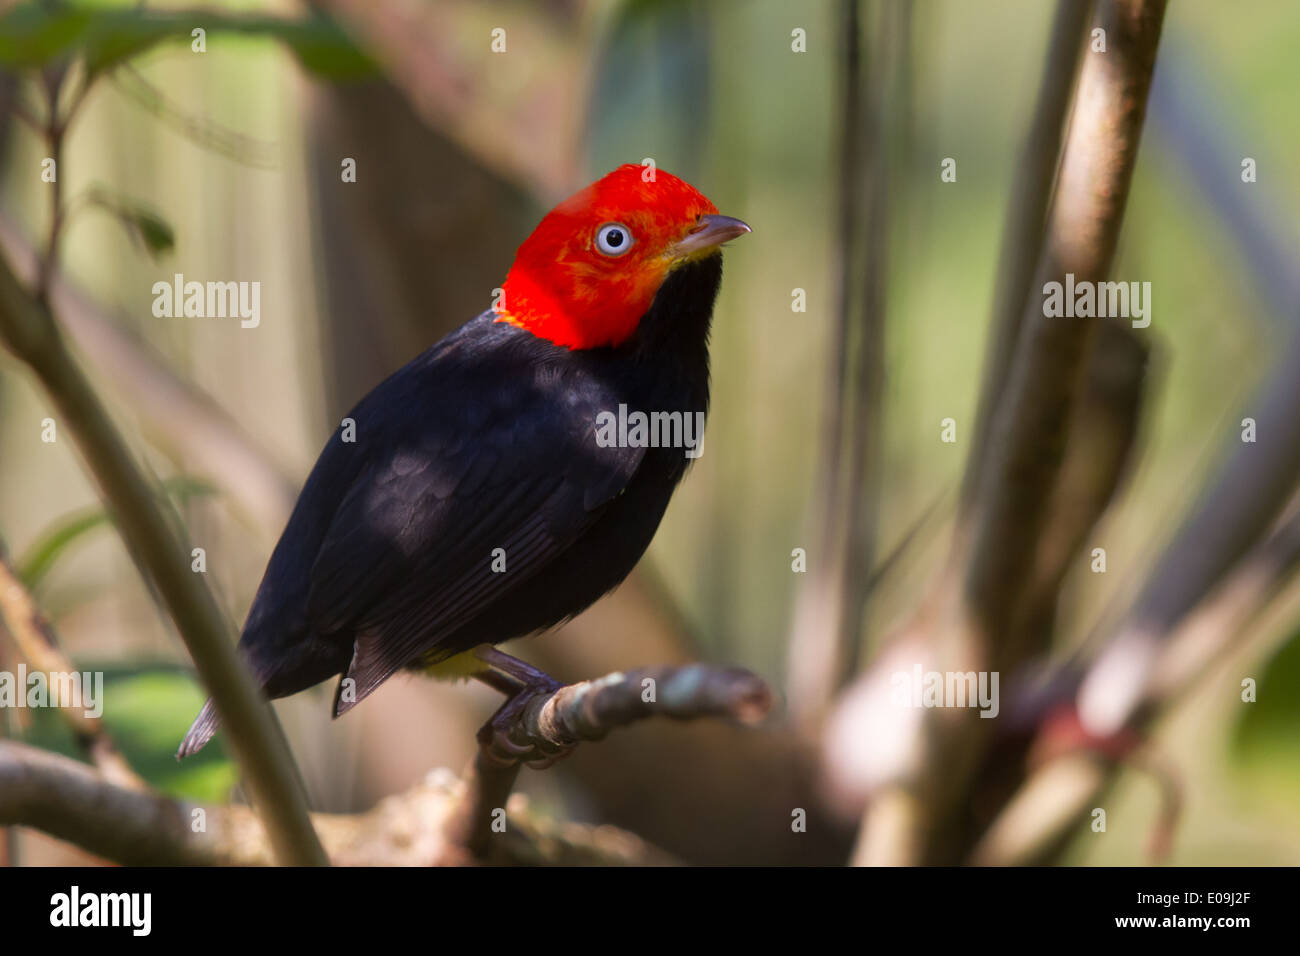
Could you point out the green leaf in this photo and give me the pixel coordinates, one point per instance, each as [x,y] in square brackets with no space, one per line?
[323,48]
[40,557]
[145,226]
[1266,739]
[109,42]
[34,35]
[147,710]
[72,529]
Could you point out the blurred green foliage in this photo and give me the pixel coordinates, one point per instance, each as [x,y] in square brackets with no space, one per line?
[152,709]
[34,35]
[1266,738]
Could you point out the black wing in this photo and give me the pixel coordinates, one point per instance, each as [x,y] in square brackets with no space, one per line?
[505,457]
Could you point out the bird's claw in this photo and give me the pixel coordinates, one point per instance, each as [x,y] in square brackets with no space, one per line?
[497,736]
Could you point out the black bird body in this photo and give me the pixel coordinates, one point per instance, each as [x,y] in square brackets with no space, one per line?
[485,441]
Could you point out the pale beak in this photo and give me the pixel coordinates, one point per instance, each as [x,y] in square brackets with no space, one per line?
[709,233]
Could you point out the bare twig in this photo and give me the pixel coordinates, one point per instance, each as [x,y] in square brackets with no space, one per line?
[1039,821]
[815,650]
[1247,496]
[69,800]
[38,644]
[55,130]
[1103,434]
[1201,132]
[1022,233]
[14,104]
[826,628]
[200,130]
[890,77]
[1030,428]
[850,203]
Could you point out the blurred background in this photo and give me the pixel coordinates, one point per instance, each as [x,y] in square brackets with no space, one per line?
[459,150]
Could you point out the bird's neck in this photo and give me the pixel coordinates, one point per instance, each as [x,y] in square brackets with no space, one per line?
[678,319]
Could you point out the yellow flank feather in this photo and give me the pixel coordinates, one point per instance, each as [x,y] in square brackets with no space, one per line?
[460,666]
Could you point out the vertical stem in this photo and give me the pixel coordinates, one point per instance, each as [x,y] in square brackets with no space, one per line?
[487,785]
[813,654]
[1022,234]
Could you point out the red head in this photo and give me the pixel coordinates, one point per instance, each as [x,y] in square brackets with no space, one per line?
[592,266]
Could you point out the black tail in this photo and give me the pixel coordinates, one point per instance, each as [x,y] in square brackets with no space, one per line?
[201,731]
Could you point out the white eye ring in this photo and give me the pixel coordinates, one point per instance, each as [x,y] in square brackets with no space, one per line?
[614,239]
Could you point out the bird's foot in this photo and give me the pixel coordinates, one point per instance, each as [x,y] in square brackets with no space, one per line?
[500,736]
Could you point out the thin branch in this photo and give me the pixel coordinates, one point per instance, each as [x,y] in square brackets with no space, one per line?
[817,627]
[29,329]
[1030,428]
[850,203]
[1143,667]
[54,133]
[1022,233]
[71,802]
[1249,493]
[199,130]
[827,621]
[1102,438]
[555,722]
[37,642]
[1039,822]
[14,104]
[890,77]
[1201,132]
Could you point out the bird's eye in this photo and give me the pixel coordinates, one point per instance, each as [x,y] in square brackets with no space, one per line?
[613,239]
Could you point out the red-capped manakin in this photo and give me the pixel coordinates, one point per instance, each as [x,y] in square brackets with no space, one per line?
[487,441]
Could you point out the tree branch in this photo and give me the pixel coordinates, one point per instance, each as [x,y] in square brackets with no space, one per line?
[1040,820]
[1103,435]
[830,603]
[1250,491]
[37,642]
[71,802]
[1022,233]
[1031,426]
[554,723]
[441,820]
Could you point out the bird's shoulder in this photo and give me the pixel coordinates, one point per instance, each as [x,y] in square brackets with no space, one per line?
[489,403]
[484,440]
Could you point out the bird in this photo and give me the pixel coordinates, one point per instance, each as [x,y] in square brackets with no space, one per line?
[468,499]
